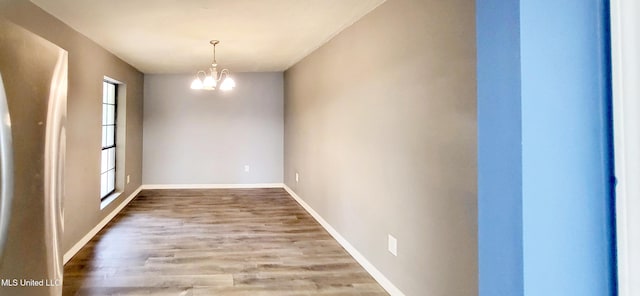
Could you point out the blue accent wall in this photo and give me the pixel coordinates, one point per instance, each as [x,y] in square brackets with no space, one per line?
[566,166]
[499,148]
[545,197]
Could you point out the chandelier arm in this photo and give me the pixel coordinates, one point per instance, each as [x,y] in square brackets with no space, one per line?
[224,72]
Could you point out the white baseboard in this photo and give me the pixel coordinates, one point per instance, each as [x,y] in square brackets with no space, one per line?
[372,270]
[83,241]
[211,186]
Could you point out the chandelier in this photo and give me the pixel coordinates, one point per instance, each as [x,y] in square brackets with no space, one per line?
[208,80]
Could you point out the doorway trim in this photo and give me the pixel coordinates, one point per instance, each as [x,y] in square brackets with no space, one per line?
[625,49]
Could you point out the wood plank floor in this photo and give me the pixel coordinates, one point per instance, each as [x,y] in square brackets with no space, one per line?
[215,242]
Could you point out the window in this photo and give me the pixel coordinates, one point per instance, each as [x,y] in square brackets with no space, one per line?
[108,167]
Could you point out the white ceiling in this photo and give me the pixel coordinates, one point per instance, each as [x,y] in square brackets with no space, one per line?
[172,36]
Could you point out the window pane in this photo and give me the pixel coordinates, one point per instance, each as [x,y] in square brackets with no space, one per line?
[112,158]
[110,135]
[103,185]
[103,167]
[111,109]
[104,136]
[111,178]
[104,91]
[104,114]
[111,93]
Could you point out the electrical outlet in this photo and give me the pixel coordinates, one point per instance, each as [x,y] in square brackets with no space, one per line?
[247,168]
[297,177]
[393,245]
[128,179]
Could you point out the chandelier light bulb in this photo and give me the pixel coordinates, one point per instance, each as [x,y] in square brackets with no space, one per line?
[227,84]
[196,84]
[209,82]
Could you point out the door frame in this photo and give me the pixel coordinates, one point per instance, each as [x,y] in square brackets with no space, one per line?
[625,49]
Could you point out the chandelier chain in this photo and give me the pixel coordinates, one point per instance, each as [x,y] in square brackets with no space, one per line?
[214,54]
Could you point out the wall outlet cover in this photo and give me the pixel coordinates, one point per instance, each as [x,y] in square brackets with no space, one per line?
[247,168]
[297,177]
[393,245]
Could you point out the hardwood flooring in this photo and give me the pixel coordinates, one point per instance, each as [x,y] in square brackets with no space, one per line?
[215,242]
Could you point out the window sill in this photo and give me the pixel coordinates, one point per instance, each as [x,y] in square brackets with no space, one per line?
[105,202]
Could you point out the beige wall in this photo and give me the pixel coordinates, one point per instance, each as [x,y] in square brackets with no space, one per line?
[203,137]
[381,125]
[88,64]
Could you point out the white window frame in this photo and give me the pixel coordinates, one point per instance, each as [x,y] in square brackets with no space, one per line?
[625,44]
[113,191]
